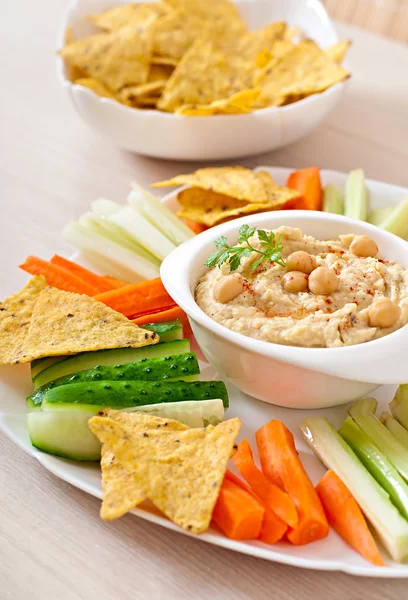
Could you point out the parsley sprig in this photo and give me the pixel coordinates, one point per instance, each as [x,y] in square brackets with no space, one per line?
[270,244]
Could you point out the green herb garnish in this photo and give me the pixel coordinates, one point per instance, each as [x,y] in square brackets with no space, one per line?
[271,249]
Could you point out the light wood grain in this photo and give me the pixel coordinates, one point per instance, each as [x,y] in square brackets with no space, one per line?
[52,544]
[386,17]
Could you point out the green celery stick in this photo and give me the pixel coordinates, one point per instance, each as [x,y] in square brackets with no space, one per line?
[356,197]
[333,201]
[378,215]
[396,428]
[397,220]
[399,405]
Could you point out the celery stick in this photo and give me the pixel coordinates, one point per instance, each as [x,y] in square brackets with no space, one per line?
[397,220]
[159,215]
[103,207]
[378,215]
[333,201]
[374,501]
[399,405]
[356,197]
[363,412]
[133,267]
[396,428]
[377,464]
[143,232]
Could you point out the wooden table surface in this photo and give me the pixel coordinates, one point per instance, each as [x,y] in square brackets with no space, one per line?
[52,544]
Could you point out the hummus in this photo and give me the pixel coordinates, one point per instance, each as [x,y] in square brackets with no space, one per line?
[265,311]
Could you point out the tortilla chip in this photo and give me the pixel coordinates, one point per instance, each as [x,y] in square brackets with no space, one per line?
[292,32]
[136,15]
[164,60]
[314,73]
[15,317]
[237,104]
[214,70]
[115,59]
[237,182]
[95,86]
[121,491]
[65,323]
[159,72]
[133,94]
[338,51]
[222,15]
[181,472]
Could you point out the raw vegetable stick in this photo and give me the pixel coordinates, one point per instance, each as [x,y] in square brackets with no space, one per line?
[116,283]
[397,220]
[96,281]
[167,315]
[345,516]
[397,430]
[332,199]
[356,198]
[270,494]
[138,299]
[273,528]
[57,276]
[281,465]
[307,183]
[196,227]
[238,514]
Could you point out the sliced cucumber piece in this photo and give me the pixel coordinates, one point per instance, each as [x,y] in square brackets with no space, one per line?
[64,434]
[181,367]
[88,360]
[168,330]
[40,364]
[123,394]
[192,413]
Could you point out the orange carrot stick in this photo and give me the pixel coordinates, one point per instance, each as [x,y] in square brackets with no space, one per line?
[345,516]
[238,514]
[270,494]
[96,281]
[57,276]
[138,299]
[167,315]
[307,183]
[194,226]
[281,465]
[115,283]
[273,528]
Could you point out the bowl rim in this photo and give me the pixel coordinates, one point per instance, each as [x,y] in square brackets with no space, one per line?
[378,361]
[316,5]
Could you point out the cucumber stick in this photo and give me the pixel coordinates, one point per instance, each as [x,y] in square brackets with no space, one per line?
[66,433]
[377,464]
[88,360]
[124,394]
[168,331]
[180,367]
[374,501]
[356,197]
[43,363]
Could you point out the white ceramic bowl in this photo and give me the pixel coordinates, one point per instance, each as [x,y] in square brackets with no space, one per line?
[289,376]
[165,135]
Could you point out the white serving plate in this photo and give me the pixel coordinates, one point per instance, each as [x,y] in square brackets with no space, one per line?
[178,137]
[330,554]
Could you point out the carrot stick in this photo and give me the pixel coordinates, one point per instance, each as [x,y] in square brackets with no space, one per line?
[238,514]
[273,528]
[57,276]
[96,281]
[194,226]
[167,315]
[115,283]
[270,494]
[307,183]
[345,516]
[138,298]
[281,465]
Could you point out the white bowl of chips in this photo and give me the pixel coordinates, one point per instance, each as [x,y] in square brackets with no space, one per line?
[117,86]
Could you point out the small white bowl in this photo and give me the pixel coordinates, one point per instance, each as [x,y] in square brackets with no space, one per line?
[289,376]
[177,137]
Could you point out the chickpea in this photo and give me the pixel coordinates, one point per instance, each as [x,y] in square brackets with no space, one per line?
[364,246]
[323,281]
[294,281]
[383,313]
[301,261]
[228,288]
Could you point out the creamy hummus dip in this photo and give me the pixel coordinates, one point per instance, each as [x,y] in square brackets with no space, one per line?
[352,314]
